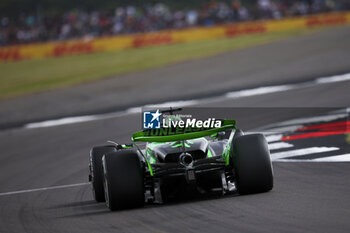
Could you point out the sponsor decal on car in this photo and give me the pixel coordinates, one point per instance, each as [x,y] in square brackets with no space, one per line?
[178,123]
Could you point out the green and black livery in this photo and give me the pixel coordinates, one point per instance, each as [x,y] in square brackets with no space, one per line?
[178,161]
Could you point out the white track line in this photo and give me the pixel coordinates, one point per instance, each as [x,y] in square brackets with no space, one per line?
[174,104]
[307,120]
[301,152]
[334,79]
[182,103]
[43,189]
[284,129]
[335,158]
[259,91]
[279,145]
[274,138]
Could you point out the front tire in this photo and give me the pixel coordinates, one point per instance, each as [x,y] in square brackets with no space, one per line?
[123,180]
[252,164]
[96,172]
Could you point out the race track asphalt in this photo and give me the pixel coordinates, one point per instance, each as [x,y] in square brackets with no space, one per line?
[307,197]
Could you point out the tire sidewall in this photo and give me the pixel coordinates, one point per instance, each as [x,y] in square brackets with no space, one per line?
[96,155]
[123,180]
[252,164]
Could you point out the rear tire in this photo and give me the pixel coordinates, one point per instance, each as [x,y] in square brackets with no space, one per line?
[252,164]
[96,172]
[123,180]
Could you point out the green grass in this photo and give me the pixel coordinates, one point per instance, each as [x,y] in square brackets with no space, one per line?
[25,77]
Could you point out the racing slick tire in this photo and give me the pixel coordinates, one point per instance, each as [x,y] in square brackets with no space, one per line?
[123,180]
[252,164]
[96,173]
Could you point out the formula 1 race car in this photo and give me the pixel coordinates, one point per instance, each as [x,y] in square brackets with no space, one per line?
[173,161]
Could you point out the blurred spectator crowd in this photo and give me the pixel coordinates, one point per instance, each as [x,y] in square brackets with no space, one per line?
[39,27]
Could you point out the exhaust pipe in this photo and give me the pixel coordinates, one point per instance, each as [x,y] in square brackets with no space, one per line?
[186,159]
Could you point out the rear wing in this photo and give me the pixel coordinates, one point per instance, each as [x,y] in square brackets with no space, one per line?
[179,134]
